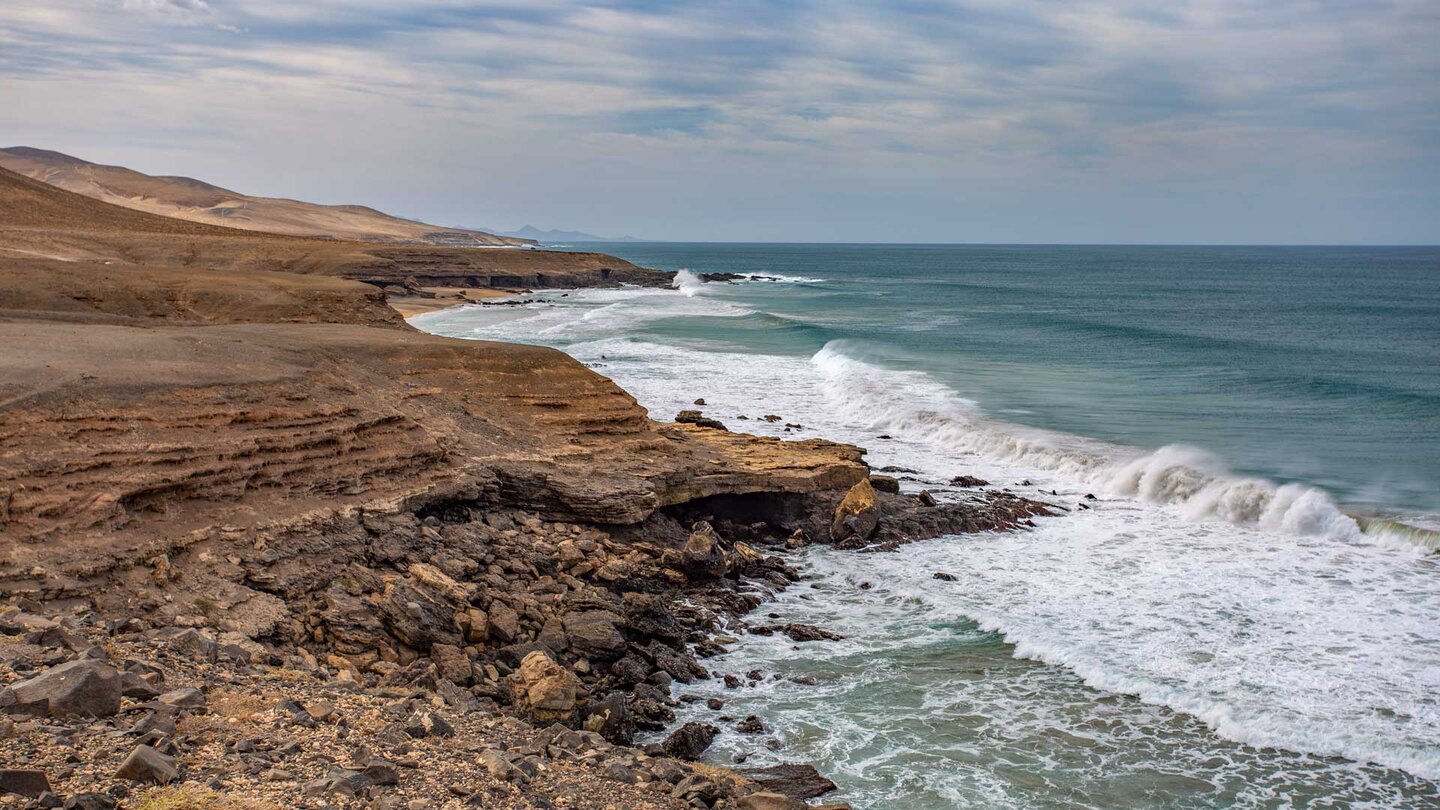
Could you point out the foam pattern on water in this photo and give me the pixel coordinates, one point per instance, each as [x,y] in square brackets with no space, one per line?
[1251,609]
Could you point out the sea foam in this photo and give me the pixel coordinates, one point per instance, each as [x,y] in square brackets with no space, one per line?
[1255,607]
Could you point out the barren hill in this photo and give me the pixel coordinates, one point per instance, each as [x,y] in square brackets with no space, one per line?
[86,251]
[197,201]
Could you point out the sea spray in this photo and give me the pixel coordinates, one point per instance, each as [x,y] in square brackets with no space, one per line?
[688,283]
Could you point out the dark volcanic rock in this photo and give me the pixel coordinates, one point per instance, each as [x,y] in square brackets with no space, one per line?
[23,782]
[703,555]
[90,801]
[697,418]
[417,618]
[690,741]
[145,764]
[968,481]
[795,781]
[885,483]
[595,634]
[751,725]
[81,687]
[798,632]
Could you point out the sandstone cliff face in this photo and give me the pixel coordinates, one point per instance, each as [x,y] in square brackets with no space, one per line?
[120,443]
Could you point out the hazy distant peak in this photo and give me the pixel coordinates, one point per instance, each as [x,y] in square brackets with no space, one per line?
[555,235]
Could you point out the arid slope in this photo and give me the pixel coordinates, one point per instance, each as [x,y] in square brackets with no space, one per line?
[189,199]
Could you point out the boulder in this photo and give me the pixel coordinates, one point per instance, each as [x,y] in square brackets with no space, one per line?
[382,772]
[23,782]
[145,764]
[689,741]
[595,634]
[544,690]
[703,554]
[699,419]
[452,663]
[428,724]
[189,642]
[769,800]
[90,801]
[885,483]
[503,622]
[751,725]
[793,780]
[857,517]
[809,632]
[968,481]
[648,617]
[134,686]
[83,687]
[187,697]
[476,625]
[418,617]
[500,767]
[610,718]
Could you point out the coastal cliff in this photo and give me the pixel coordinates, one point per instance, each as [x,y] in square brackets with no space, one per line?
[276,546]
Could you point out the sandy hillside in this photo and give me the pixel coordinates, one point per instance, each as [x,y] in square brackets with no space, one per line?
[197,201]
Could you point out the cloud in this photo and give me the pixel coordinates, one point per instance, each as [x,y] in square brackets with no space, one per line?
[1018,95]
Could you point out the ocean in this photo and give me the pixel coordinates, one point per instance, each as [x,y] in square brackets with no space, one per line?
[1247,616]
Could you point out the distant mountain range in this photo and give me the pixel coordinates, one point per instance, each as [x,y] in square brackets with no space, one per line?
[197,201]
[552,236]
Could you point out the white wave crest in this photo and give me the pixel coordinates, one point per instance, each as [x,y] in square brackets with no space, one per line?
[781,278]
[688,283]
[914,405]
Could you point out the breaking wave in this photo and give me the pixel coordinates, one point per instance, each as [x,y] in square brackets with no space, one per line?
[914,405]
[688,283]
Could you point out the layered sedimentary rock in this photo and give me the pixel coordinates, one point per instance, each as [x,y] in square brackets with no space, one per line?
[131,440]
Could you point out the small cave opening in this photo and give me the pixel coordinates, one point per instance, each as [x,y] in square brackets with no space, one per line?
[765,517]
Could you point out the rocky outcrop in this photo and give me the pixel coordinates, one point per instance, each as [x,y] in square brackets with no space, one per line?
[798,781]
[856,517]
[545,691]
[83,687]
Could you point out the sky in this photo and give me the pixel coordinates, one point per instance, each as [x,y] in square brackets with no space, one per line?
[1076,121]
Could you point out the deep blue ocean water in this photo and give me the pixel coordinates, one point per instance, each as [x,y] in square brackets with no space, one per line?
[1318,365]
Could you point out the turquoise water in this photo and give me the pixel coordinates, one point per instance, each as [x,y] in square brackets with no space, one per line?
[1314,365]
[1216,630]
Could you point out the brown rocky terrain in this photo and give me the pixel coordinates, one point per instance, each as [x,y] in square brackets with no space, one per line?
[189,199]
[265,545]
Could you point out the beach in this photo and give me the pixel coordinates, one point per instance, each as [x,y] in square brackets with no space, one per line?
[438,298]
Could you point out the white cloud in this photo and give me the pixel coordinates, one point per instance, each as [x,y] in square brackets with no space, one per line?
[1099,91]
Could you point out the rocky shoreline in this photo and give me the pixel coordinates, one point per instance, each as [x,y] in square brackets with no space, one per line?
[264,545]
[464,656]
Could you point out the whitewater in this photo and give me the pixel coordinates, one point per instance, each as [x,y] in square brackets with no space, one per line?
[1179,635]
